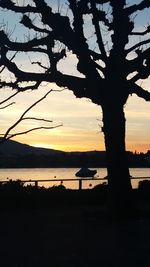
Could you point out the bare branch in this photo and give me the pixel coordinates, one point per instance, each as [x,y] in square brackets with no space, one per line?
[8,4]
[101,15]
[40,64]
[137,45]
[10,60]
[26,46]
[8,105]
[37,119]
[137,63]
[54,58]
[141,33]
[139,91]
[85,65]
[60,24]
[15,85]
[8,135]
[134,8]
[142,65]
[60,79]
[97,30]
[30,130]
[24,113]
[144,73]
[8,98]
[28,23]
[95,55]
[99,67]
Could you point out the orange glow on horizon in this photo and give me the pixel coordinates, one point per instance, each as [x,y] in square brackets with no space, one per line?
[139,148]
[79,148]
[69,148]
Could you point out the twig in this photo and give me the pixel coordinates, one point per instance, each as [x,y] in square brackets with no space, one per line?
[8,105]
[33,129]
[5,100]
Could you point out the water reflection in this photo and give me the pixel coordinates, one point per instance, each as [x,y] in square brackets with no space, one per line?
[63,173]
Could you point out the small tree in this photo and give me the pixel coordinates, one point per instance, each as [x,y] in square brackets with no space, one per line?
[8,134]
[105,73]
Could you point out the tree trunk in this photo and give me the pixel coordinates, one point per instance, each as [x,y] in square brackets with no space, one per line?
[119,183]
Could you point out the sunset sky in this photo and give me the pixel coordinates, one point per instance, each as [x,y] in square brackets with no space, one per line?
[81,119]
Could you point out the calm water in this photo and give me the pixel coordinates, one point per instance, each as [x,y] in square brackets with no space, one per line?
[63,173]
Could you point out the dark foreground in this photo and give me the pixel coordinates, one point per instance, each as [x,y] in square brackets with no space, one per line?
[72,237]
[71,234]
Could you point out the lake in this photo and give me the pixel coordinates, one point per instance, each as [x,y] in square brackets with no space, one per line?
[63,173]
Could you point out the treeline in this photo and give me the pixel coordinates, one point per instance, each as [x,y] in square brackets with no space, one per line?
[68,159]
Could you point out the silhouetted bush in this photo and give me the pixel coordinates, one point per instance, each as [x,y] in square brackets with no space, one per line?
[101,187]
[14,194]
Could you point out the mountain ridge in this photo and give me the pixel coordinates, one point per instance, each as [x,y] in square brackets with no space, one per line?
[12,147]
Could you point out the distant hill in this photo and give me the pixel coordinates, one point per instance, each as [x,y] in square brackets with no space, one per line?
[16,155]
[13,148]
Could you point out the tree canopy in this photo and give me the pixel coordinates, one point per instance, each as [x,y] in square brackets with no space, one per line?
[55,31]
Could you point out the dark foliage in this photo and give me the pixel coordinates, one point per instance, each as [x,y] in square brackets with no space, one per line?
[14,195]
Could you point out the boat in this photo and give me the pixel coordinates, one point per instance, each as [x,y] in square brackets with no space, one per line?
[85,172]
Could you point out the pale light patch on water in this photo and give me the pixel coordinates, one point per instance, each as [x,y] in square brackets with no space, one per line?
[64,173]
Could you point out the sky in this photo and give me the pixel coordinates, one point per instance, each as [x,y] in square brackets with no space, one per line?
[81,119]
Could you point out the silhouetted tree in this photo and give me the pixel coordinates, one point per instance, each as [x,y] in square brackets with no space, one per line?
[105,66]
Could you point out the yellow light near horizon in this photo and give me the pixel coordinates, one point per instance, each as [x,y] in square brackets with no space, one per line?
[72,148]
[69,148]
[42,145]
